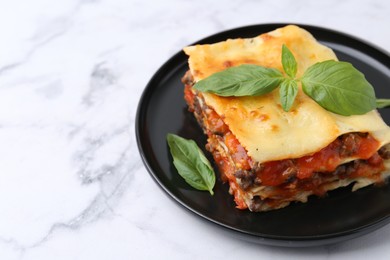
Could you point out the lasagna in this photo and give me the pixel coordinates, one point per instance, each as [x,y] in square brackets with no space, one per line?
[270,157]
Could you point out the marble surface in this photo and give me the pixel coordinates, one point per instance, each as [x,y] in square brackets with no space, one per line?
[72,184]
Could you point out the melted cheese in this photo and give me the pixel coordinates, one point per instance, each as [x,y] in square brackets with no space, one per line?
[266,131]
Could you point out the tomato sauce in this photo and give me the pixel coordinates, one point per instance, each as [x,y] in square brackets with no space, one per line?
[228,171]
[215,123]
[326,161]
[238,153]
[189,96]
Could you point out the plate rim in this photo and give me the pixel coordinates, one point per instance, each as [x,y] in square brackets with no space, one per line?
[267,239]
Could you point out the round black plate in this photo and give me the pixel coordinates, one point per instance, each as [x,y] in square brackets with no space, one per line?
[341,215]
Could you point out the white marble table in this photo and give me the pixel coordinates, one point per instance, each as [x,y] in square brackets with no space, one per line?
[72,184]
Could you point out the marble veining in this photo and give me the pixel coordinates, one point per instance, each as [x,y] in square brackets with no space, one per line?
[72,184]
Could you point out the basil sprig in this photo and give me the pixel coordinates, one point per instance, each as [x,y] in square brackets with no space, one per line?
[191,163]
[335,85]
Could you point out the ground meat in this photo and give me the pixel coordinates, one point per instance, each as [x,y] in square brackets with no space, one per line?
[197,107]
[188,79]
[346,170]
[247,178]
[213,143]
[350,144]
[341,170]
[257,167]
[353,166]
[256,204]
[290,174]
[384,153]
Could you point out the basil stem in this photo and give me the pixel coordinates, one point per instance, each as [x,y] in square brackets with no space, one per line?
[382,103]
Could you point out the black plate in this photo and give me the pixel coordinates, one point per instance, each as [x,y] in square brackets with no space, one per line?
[341,215]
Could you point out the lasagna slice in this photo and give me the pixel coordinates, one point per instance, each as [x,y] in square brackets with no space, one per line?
[270,157]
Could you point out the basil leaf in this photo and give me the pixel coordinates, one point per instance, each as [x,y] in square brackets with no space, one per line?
[191,163]
[339,87]
[243,80]
[287,92]
[382,103]
[289,63]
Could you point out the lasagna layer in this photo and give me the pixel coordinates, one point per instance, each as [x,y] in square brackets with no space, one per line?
[353,157]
